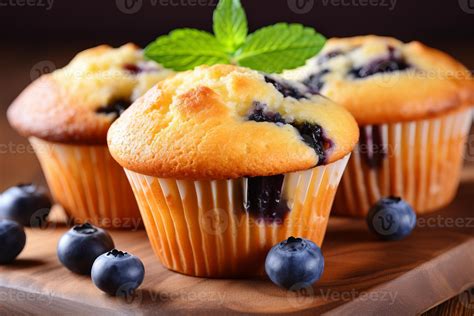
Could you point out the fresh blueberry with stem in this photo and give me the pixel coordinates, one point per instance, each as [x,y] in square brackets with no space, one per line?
[12,240]
[295,263]
[81,245]
[118,273]
[391,218]
[23,203]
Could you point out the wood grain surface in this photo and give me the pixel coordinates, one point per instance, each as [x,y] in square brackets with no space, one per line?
[362,275]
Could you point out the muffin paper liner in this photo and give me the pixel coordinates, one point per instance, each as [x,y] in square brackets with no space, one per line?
[421,163]
[89,184]
[202,228]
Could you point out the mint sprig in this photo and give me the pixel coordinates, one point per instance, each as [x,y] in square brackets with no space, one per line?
[230,24]
[279,47]
[271,49]
[185,49]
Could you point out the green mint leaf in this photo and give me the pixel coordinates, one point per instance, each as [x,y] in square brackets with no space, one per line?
[184,49]
[230,24]
[278,47]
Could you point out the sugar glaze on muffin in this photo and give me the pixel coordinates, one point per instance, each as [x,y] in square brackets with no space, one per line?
[77,104]
[382,80]
[224,122]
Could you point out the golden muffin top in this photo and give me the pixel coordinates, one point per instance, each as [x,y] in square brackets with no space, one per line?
[382,80]
[225,122]
[78,103]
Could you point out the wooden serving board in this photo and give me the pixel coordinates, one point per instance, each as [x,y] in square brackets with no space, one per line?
[362,275]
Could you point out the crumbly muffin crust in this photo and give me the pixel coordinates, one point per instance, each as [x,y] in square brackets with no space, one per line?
[382,80]
[224,122]
[78,103]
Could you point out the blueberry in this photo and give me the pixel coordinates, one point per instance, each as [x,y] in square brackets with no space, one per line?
[286,87]
[391,218]
[142,67]
[264,198]
[132,69]
[23,202]
[313,136]
[379,66]
[328,56]
[116,107]
[261,113]
[12,240]
[382,65]
[81,245]
[371,146]
[118,273]
[295,263]
[315,81]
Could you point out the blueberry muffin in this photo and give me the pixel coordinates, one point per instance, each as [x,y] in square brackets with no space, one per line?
[412,104]
[225,162]
[66,115]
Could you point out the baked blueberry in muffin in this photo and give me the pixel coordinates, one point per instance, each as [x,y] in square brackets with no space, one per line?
[226,155]
[66,115]
[350,63]
[412,105]
[288,88]
[381,79]
[77,104]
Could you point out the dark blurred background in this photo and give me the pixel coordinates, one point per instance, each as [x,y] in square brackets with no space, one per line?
[54,30]
[117,21]
[40,35]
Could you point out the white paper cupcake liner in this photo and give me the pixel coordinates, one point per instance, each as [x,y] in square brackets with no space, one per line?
[201,228]
[422,164]
[89,184]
